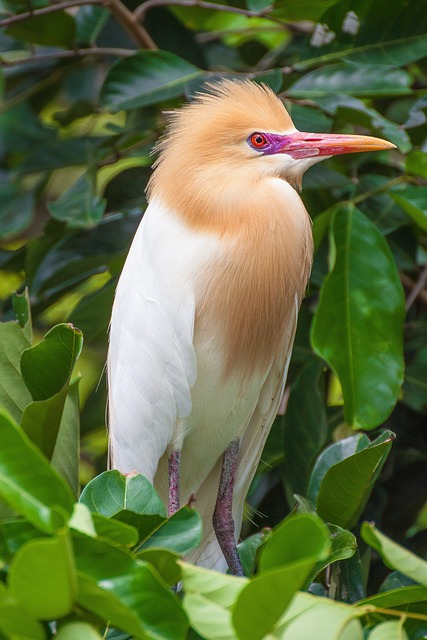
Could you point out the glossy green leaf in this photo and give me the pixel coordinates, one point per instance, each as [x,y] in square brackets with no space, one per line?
[343,546]
[42,577]
[92,314]
[134,583]
[114,530]
[14,339]
[305,428]
[359,321]
[79,205]
[358,80]
[112,492]
[109,607]
[47,366]
[286,561]
[78,631]
[396,598]
[297,537]
[413,201]
[90,21]
[248,548]
[390,630]
[182,532]
[347,485]
[146,78]
[394,555]
[28,483]
[333,454]
[398,53]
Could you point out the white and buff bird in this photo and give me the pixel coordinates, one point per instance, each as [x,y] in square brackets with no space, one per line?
[206,308]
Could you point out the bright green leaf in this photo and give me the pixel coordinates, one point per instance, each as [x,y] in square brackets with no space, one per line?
[42,577]
[78,631]
[390,630]
[182,532]
[28,483]
[358,325]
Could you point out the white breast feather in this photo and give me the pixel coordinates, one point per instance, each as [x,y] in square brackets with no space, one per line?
[151,362]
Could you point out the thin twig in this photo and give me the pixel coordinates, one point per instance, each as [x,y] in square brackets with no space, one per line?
[416,288]
[201,4]
[73,53]
[127,18]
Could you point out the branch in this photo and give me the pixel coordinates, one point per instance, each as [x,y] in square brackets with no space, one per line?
[201,4]
[416,288]
[126,18]
[73,53]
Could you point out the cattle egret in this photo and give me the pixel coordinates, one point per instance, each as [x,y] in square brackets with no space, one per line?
[206,307]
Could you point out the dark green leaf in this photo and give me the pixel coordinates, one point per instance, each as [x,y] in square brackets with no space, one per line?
[55,30]
[16,209]
[347,485]
[79,205]
[358,325]
[305,428]
[182,532]
[358,80]
[413,200]
[146,78]
[165,563]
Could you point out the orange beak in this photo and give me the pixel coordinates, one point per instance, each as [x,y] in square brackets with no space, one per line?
[309,145]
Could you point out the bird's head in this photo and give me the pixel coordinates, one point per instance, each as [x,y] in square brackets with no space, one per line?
[235,134]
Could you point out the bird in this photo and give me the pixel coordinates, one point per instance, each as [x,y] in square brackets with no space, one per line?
[205,310]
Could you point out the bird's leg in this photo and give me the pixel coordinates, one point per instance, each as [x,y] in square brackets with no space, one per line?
[222,520]
[174,462]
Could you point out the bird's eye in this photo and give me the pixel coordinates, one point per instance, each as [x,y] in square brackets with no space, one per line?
[258,140]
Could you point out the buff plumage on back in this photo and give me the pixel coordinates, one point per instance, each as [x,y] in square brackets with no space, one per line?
[205,175]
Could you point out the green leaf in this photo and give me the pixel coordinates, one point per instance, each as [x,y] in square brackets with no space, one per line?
[305,427]
[301,10]
[148,77]
[164,561]
[66,455]
[79,205]
[413,200]
[47,366]
[333,454]
[17,624]
[394,555]
[390,630]
[358,80]
[112,492]
[14,339]
[16,209]
[92,314]
[90,21]
[416,163]
[78,631]
[343,546]
[42,577]
[134,583]
[347,485]
[182,532]
[286,561]
[247,550]
[54,30]
[28,483]
[358,324]
[209,597]
[308,615]
[114,530]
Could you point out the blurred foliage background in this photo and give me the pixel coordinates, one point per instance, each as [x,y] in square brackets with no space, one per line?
[84,87]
